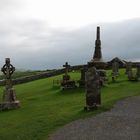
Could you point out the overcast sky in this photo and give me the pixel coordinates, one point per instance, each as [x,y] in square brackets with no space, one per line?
[43,34]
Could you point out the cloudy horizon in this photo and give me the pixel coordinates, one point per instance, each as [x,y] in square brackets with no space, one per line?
[39,34]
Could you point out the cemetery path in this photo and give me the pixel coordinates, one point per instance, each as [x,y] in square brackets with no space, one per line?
[120,123]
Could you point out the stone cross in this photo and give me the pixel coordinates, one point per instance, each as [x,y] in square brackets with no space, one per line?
[93,89]
[8,70]
[66,68]
[9,95]
[9,92]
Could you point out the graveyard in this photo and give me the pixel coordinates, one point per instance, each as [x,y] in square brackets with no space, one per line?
[45,108]
[69,70]
[36,104]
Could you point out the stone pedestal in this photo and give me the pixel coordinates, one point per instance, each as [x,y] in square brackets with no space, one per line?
[70,84]
[9,105]
[67,83]
[9,100]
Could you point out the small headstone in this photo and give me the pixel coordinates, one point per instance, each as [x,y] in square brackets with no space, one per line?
[138,71]
[66,82]
[131,75]
[102,75]
[115,69]
[93,89]
[82,80]
[128,67]
[9,96]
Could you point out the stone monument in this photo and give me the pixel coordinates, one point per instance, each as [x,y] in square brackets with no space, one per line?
[9,96]
[66,82]
[97,60]
[115,68]
[138,71]
[93,89]
[66,77]
[129,71]
[82,80]
[128,67]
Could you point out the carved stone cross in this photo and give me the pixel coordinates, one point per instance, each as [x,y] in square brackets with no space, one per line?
[66,68]
[8,69]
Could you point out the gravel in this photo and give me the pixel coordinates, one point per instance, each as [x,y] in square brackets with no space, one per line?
[120,123]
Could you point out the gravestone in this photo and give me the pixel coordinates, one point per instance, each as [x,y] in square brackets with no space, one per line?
[66,82]
[82,80]
[103,76]
[9,95]
[128,67]
[131,75]
[115,68]
[138,71]
[93,89]
[66,77]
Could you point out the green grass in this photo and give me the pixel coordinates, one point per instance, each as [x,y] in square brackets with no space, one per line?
[45,108]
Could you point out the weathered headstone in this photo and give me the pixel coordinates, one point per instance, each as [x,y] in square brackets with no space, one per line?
[115,68]
[93,89]
[103,76]
[128,67]
[82,80]
[9,96]
[66,82]
[138,71]
[131,75]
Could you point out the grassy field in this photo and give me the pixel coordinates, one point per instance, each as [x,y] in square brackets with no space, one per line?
[45,108]
[18,74]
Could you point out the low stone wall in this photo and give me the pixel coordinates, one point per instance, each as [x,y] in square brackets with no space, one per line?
[35,77]
[54,73]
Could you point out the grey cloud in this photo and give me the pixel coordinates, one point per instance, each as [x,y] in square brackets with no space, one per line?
[33,44]
[8,5]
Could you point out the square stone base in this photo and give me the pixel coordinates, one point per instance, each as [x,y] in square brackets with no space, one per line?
[68,84]
[91,108]
[9,105]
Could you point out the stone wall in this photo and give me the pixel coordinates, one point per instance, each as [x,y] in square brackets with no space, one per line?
[35,77]
[53,73]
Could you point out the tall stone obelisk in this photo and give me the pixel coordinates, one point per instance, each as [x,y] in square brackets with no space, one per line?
[97,59]
[97,53]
